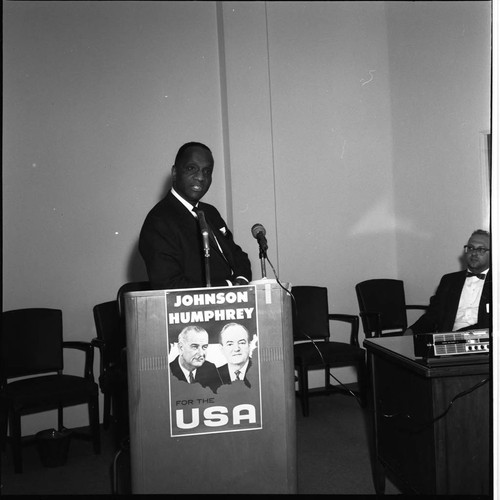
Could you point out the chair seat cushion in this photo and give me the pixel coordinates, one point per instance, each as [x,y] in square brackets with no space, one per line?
[49,390]
[306,353]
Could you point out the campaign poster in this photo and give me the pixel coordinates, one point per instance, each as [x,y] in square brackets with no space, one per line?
[214,370]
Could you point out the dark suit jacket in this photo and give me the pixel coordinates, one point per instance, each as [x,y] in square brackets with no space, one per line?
[171,245]
[443,306]
[206,375]
[226,377]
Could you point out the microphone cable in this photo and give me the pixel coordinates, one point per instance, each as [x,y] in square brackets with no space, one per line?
[425,425]
[277,279]
[254,234]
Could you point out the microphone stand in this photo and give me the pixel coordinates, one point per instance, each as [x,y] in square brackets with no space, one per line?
[207,263]
[262,257]
[205,233]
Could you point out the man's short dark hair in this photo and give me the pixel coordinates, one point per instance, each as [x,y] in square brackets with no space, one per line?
[185,147]
[481,232]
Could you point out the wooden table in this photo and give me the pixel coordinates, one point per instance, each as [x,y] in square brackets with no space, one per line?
[431,419]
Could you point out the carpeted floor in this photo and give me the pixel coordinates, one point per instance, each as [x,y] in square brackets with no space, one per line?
[332,453]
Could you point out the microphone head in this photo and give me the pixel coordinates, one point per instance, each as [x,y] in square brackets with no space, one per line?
[258,229]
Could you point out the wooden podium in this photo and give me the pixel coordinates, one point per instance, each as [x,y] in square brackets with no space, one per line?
[184,438]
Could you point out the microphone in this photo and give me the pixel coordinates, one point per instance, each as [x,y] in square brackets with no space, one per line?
[259,233]
[204,231]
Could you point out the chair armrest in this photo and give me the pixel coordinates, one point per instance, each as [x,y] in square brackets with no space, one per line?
[354,322]
[88,349]
[375,316]
[423,308]
[101,345]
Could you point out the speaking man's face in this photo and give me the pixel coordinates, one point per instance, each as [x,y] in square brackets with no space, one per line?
[235,345]
[193,349]
[193,176]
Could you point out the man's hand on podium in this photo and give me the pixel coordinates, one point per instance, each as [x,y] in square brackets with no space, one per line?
[240,281]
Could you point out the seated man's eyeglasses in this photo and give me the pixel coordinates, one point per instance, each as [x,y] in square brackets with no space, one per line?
[479,250]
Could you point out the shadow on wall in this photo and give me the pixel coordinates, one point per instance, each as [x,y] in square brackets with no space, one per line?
[463,262]
[136,269]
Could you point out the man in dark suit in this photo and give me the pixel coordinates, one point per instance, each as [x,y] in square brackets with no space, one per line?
[170,241]
[463,300]
[236,345]
[191,365]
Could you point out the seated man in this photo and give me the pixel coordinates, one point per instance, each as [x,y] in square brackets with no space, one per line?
[463,299]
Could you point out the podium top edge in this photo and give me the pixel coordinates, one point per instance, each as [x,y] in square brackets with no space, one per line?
[259,284]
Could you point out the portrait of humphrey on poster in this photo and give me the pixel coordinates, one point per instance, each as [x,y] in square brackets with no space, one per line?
[214,370]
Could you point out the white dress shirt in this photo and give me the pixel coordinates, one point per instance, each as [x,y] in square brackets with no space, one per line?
[186,372]
[469,302]
[232,371]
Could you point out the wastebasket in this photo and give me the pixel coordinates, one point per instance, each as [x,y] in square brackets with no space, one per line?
[53,446]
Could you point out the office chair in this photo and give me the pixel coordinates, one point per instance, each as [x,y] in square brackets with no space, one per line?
[313,348]
[32,346]
[121,462]
[110,341]
[131,286]
[383,308]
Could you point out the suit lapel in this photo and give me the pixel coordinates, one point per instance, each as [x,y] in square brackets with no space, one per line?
[222,251]
[451,307]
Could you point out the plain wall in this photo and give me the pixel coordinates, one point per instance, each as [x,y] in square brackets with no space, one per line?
[351,130]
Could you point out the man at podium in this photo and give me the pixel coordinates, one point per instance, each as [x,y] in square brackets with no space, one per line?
[171,242]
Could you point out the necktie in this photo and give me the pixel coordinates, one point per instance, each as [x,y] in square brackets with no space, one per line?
[237,373]
[191,378]
[470,275]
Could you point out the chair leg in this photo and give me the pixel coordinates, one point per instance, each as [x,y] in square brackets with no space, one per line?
[327,379]
[60,419]
[120,469]
[362,382]
[121,415]
[4,416]
[15,434]
[304,390]
[106,416]
[94,424]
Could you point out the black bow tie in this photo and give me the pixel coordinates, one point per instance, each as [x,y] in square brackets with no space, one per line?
[470,275]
